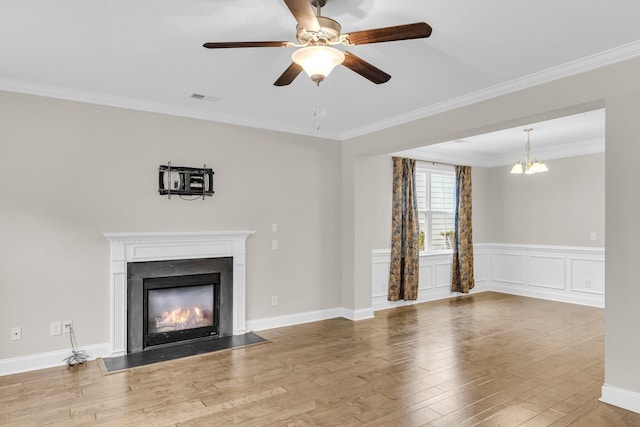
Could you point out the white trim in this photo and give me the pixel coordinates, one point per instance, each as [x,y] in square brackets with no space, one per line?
[620,397]
[592,62]
[428,289]
[136,247]
[307,317]
[50,359]
[541,293]
[598,60]
[56,358]
[439,294]
[587,250]
[429,154]
[293,319]
[492,260]
[355,315]
[70,94]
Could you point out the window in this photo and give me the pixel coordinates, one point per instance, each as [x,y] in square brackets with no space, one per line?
[435,191]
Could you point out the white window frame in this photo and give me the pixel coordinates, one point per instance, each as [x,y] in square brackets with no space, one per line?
[428,168]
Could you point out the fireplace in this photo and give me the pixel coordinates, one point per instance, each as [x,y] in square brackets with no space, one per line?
[180,308]
[137,258]
[178,300]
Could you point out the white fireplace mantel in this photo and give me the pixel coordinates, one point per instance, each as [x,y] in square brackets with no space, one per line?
[140,247]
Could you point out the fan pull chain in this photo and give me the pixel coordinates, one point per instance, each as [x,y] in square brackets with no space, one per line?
[316,108]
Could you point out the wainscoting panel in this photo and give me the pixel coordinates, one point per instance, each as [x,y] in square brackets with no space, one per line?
[425,278]
[547,272]
[480,265]
[587,276]
[508,268]
[380,261]
[443,275]
[559,273]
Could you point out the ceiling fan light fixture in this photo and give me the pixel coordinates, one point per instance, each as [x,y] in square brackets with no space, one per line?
[318,61]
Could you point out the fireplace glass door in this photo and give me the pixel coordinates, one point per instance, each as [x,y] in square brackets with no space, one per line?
[180,308]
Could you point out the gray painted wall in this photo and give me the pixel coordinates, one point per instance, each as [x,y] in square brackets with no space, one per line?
[481,205]
[73,171]
[622,341]
[559,207]
[117,153]
[615,87]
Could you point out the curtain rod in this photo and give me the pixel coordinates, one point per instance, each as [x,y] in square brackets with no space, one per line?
[437,163]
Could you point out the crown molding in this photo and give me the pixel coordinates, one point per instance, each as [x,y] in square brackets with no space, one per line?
[69,94]
[484,160]
[588,63]
[608,57]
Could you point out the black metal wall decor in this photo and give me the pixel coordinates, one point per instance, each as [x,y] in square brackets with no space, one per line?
[185,181]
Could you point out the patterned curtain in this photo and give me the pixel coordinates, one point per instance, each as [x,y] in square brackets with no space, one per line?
[403,274]
[462,270]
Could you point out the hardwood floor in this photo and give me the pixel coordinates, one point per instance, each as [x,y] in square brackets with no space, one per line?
[488,359]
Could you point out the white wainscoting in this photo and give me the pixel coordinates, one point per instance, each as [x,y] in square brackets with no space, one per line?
[560,273]
[434,277]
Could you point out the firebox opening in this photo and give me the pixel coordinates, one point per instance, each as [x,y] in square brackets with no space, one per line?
[180,308]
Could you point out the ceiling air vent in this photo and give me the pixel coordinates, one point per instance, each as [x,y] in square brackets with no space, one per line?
[205,97]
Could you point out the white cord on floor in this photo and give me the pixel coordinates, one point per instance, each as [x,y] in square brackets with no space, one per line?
[77,357]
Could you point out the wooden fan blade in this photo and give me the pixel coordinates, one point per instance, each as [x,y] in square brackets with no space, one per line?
[365,69]
[303,13]
[418,30]
[224,45]
[289,75]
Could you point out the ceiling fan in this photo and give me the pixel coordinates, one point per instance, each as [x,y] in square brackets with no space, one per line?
[317,34]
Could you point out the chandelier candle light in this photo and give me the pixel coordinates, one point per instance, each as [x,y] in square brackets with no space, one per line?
[529,165]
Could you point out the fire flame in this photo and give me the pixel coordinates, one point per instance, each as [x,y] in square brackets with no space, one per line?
[180,318]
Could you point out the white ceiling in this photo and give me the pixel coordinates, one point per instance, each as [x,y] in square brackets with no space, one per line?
[567,136]
[148,55]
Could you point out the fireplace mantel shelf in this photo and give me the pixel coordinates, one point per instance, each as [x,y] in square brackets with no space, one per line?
[177,236]
[157,246]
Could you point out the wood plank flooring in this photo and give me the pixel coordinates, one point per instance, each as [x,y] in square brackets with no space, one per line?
[483,360]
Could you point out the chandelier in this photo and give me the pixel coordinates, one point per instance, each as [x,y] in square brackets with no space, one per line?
[529,165]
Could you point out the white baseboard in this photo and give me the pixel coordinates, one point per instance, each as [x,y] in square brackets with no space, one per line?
[292,319]
[56,358]
[622,398]
[382,303]
[364,313]
[592,300]
[48,360]
[309,316]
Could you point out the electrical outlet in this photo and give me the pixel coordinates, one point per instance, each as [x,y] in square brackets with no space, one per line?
[274,300]
[587,284]
[55,328]
[274,244]
[16,333]
[66,326]
[274,227]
